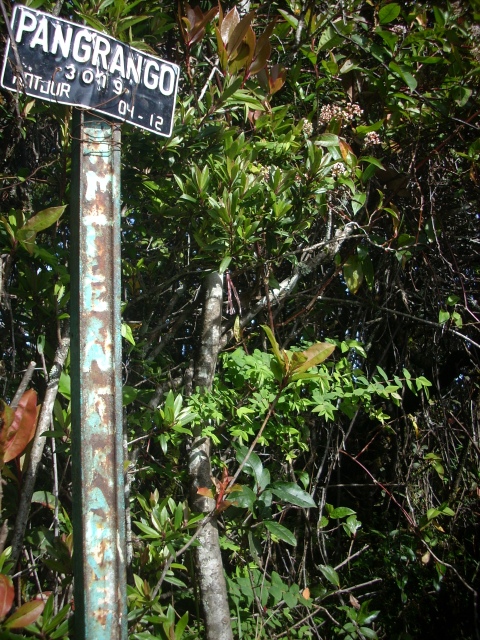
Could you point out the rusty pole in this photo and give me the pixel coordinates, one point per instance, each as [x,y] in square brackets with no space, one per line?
[97,438]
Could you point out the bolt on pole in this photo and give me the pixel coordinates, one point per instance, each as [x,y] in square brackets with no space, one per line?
[96,363]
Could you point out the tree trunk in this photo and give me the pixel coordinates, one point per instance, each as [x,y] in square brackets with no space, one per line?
[208,558]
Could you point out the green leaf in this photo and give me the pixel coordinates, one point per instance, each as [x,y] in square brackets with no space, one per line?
[244,499]
[44,219]
[148,531]
[181,626]
[341,512]
[316,354]
[330,574]
[291,493]
[224,265]
[388,13]
[281,532]
[328,140]
[443,316]
[126,332]
[404,74]
[275,346]
[129,394]
[45,498]
[353,273]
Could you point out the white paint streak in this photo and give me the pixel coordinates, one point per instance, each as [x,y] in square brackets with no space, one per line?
[94,180]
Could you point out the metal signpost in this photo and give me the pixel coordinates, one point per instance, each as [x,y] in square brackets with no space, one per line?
[60,61]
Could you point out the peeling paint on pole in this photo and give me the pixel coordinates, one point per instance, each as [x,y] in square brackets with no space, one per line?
[98,480]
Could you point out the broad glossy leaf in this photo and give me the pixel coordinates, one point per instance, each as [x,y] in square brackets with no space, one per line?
[198,30]
[262,50]
[228,24]
[44,219]
[7,593]
[353,273]
[314,355]
[281,532]
[404,74]
[27,614]
[388,13]
[238,34]
[341,512]
[293,494]
[253,465]
[244,498]
[330,574]
[328,140]
[14,440]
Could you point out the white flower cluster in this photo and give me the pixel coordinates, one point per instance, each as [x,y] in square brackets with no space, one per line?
[307,128]
[338,169]
[334,112]
[399,29]
[372,138]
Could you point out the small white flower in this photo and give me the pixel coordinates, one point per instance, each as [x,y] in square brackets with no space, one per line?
[372,138]
[338,169]
[307,128]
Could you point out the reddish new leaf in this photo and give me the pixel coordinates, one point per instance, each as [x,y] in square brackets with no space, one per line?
[277,78]
[7,594]
[27,614]
[15,437]
[228,24]
[237,35]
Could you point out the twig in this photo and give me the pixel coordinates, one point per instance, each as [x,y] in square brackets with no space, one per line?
[270,411]
[22,387]
[37,446]
[389,493]
[354,555]
[310,615]
[181,551]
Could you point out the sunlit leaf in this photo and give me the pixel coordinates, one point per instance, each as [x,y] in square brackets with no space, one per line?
[291,493]
[15,437]
[43,219]
[275,346]
[27,614]
[315,354]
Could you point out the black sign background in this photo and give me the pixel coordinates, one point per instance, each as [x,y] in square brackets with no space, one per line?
[72,64]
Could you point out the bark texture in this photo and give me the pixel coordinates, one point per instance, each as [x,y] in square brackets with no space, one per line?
[208,558]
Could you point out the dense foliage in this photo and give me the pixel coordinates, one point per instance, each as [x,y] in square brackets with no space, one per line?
[325,161]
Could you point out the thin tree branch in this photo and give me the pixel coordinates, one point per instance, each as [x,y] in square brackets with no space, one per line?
[38,445]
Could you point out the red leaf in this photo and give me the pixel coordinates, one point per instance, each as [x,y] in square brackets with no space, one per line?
[238,33]
[277,78]
[7,594]
[228,24]
[27,614]
[15,437]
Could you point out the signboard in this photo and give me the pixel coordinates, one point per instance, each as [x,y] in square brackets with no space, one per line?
[72,64]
